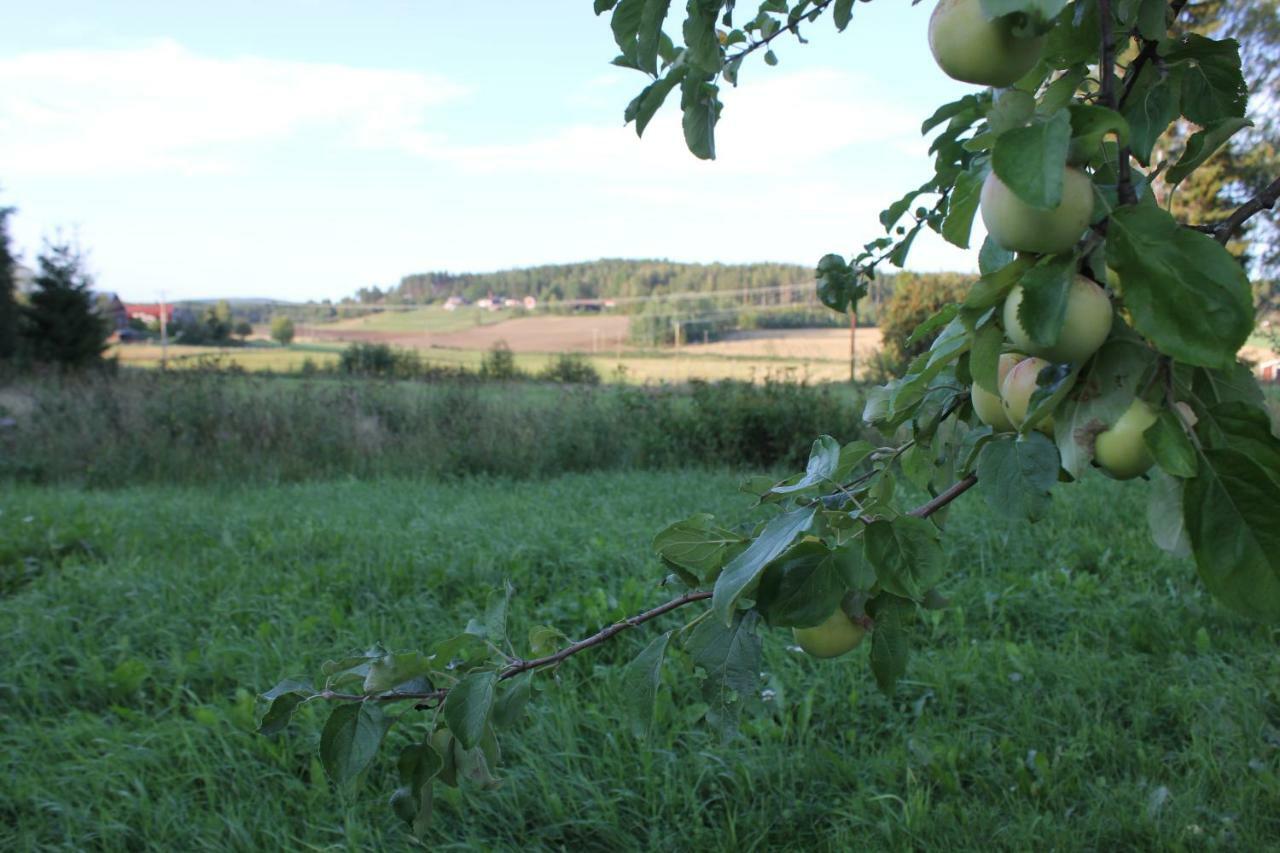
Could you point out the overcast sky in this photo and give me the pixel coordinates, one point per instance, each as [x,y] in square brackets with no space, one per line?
[301,150]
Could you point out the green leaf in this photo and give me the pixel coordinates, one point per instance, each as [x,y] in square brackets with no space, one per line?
[1213,86]
[649,33]
[696,544]
[350,739]
[510,705]
[643,107]
[700,104]
[993,257]
[993,287]
[1151,106]
[1164,515]
[468,706]
[1184,290]
[730,659]
[1169,445]
[905,555]
[984,357]
[1230,513]
[1031,160]
[1016,476]
[1090,125]
[1038,14]
[602,6]
[961,207]
[839,285]
[394,669]
[1245,427]
[626,23]
[824,458]
[1045,289]
[966,110]
[743,571]
[285,697]
[842,14]
[702,43]
[640,682]
[1203,144]
[889,646]
[801,588]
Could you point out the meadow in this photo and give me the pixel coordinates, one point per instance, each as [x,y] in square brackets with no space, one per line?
[1081,691]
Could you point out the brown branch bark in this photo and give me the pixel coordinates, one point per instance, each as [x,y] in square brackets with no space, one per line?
[787,28]
[1107,94]
[1265,200]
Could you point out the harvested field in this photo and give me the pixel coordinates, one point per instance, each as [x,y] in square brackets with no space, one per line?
[522,334]
[815,344]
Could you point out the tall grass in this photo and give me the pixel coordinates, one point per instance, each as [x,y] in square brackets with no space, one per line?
[198,427]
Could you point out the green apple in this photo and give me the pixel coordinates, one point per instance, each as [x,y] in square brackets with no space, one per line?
[1016,391]
[833,637]
[1084,329]
[1121,451]
[987,406]
[1019,227]
[969,47]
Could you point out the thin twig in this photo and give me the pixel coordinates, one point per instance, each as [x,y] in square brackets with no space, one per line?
[789,27]
[957,489]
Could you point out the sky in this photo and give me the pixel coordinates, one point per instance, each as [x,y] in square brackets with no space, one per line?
[302,150]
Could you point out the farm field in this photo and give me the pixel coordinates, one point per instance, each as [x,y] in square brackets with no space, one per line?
[1080,692]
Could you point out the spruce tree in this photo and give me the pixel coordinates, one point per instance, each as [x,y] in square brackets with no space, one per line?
[8,283]
[61,326]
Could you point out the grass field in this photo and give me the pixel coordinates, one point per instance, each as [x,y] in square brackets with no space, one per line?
[1081,692]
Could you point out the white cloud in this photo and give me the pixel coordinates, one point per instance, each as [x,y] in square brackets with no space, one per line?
[776,125]
[164,108]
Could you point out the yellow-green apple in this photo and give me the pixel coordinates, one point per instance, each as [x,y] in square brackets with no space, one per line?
[1121,451]
[972,48]
[987,406]
[1016,391]
[1084,328]
[831,638]
[1019,227]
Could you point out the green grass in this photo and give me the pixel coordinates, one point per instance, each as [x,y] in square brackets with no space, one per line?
[1081,692]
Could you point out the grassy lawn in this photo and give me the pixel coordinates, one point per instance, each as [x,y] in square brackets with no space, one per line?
[1082,692]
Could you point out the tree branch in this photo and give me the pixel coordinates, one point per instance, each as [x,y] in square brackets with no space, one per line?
[432,698]
[1265,200]
[1124,182]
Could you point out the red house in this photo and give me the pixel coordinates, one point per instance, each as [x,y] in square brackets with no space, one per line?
[149,314]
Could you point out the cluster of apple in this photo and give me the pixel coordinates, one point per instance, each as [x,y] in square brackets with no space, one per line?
[973,49]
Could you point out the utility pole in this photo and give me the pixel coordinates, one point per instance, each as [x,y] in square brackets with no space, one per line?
[853,343]
[164,334]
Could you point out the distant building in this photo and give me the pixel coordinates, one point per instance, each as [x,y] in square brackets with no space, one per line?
[530,303]
[149,313]
[1269,371]
[512,303]
[110,307]
[453,303]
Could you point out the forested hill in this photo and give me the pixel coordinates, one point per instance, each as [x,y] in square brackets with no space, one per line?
[603,279]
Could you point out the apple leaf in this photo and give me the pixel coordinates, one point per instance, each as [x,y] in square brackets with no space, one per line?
[1031,160]
[801,588]
[1203,144]
[1151,106]
[350,739]
[730,659]
[1164,515]
[889,646]
[1213,86]
[743,570]
[1167,441]
[984,358]
[1230,515]
[824,458]
[696,544]
[1045,290]
[285,697]
[640,683]
[1184,290]
[961,207]
[905,555]
[1016,475]
[468,706]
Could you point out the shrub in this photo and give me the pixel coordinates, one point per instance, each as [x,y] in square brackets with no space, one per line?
[571,368]
[282,330]
[499,363]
